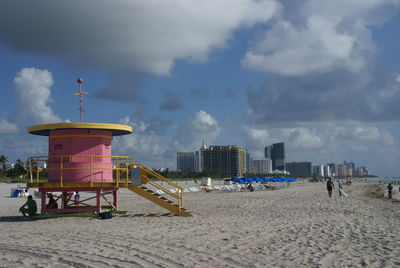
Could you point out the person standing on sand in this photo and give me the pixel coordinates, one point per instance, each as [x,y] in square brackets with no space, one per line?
[390,188]
[329,187]
[340,186]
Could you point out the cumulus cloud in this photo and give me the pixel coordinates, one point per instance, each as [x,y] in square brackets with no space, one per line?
[328,97]
[147,36]
[324,142]
[145,143]
[202,126]
[33,93]
[257,137]
[320,36]
[7,127]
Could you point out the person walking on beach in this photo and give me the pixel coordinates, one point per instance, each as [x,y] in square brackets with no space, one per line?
[390,188]
[340,186]
[32,208]
[329,187]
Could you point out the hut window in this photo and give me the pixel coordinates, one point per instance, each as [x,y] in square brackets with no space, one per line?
[58,146]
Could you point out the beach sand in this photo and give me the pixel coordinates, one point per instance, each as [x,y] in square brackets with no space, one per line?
[299,226]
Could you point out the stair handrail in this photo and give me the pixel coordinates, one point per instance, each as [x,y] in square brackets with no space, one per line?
[178,195]
[162,188]
[155,174]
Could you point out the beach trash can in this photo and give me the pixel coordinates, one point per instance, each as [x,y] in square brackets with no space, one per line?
[136,178]
[206,181]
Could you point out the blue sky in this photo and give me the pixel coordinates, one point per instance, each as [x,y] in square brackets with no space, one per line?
[321,76]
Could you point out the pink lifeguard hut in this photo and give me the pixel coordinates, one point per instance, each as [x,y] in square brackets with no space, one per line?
[80,161]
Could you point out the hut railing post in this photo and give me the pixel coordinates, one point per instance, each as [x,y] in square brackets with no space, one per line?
[91,171]
[61,172]
[30,169]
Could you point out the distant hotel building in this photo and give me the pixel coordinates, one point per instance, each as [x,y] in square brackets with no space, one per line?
[318,171]
[263,166]
[198,161]
[301,169]
[185,161]
[334,169]
[276,153]
[249,163]
[225,160]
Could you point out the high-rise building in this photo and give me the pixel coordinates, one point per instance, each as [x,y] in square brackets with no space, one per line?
[342,170]
[318,170]
[225,160]
[276,153]
[198,161]
[334,169]
[262,166]
[185,161]
[360,171]
[301,169]
[327,171]
[349,165]
[349,172]
[249,162]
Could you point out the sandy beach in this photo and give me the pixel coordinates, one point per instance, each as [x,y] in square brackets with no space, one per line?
[299,226]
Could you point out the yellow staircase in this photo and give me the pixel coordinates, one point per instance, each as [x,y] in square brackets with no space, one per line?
[159,200]
[149,176]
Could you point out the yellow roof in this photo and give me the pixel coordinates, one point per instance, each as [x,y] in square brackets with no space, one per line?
[44,130]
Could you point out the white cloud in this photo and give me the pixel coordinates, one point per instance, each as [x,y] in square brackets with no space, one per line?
[321,36]
[303,138]
[7,127]
[145,35]
[189,136]
[255,140]
[327,142]
[144,144]
[33,92]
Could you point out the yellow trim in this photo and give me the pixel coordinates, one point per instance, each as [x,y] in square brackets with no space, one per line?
[37,158]
[80,136]
[81,125]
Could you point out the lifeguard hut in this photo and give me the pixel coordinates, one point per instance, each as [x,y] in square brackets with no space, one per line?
[80,160]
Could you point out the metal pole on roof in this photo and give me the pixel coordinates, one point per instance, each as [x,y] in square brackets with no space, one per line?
[80,93]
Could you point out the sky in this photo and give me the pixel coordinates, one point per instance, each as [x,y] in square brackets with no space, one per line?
[321,76]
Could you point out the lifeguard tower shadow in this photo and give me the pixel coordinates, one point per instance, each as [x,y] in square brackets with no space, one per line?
[18,219]
[143,215]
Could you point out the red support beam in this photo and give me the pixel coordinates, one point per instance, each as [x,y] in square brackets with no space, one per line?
[68,204]
[116,195]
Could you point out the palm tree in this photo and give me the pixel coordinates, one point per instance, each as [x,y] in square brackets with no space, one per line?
[3,161]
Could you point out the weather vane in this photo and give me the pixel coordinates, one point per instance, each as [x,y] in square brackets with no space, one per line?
[80,93]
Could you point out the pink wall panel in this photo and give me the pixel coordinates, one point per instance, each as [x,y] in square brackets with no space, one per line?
[78,144]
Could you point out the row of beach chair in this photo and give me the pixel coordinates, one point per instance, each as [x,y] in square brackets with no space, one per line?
[227,188]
